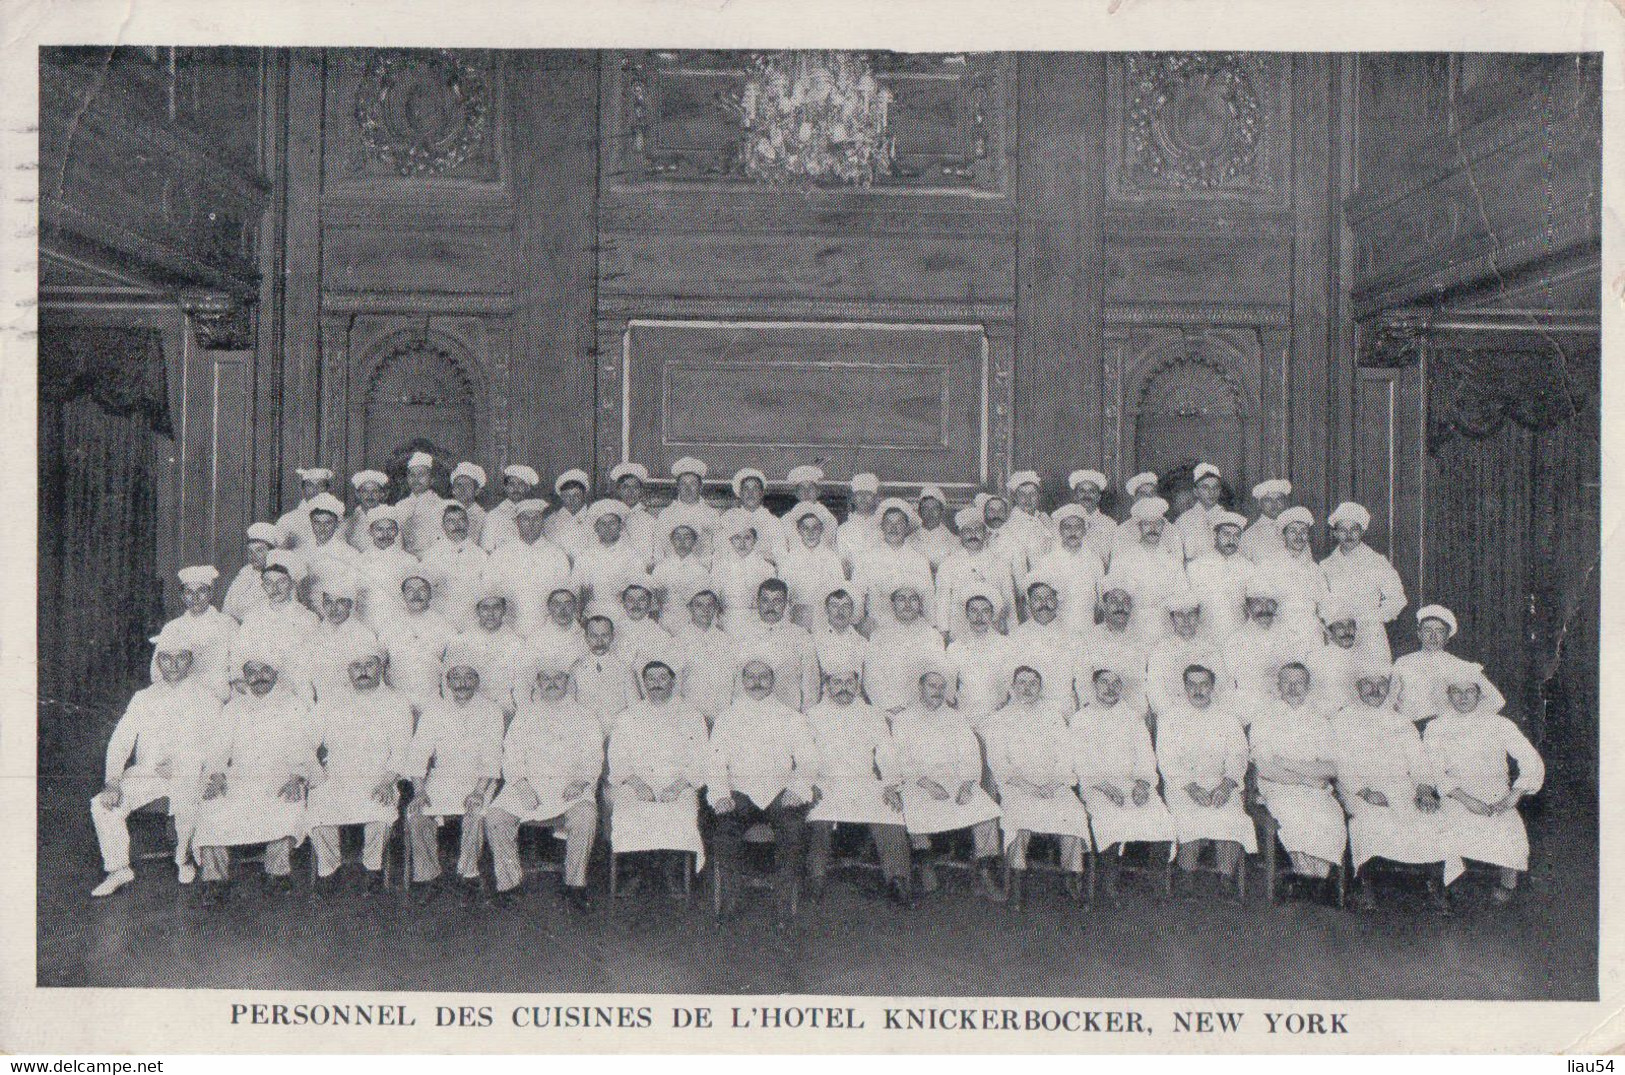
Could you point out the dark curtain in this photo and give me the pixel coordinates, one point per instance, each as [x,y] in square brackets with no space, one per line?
[103,394]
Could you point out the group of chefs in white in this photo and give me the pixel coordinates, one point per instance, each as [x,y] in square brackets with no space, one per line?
[669,680]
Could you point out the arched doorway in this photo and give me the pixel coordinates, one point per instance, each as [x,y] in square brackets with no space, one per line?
[421,397]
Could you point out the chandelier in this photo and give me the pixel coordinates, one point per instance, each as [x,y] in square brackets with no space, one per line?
[814,116]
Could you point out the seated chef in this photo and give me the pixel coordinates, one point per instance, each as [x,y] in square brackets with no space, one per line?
[939,760]
[157,752]
[363,734]
[762,767]
[1117,771]
[454,762]
[256,775]
[1293,749]
[1031,754]
[901,647]
[552,760]
[705,656]
[527,567]
[857,781]
[658,754]
[604,679]
[1202,756]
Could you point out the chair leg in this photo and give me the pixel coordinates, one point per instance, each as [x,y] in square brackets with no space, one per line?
[613,873]
[688,873]
[1168,872]
[1271,864]
[1241,876]
[716,888]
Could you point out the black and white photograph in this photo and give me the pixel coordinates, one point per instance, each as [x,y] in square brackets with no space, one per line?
[829,522]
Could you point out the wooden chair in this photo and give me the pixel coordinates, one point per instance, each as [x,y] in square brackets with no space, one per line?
[1081,887]
[689,860]
[1269,843]
[1158,867]
[758,836]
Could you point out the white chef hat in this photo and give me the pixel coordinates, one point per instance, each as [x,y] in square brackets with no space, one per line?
[807,472]
[1120,581]
[470,470]
[897,503]
[1296,514]
[1133,485]
[530,506]
[747,472]
[463,653]
[354,646]
[1148,509]
[735,522]
[1262,585]
[671,526]
[522,472]
[629,470]
[794,516]
[1023,477]
[314,474]
[606,506]
[198,575]
[452,505]
[975,588]
[1182,599]
[362,477]
[1350,512]
[1440,613]
[968,516]
[1093,477]
[1272,487]
[865,483]
[287,561]
[1069,511]
[176,636]
[689,465]
[266,532]
[979,501]
[386,513]
[340,584]
[572,475]
[1228,518]
[1205,470]
[420,461]
[933,492]
[326,502]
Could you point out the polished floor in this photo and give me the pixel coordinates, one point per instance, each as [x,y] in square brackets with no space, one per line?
[154,934]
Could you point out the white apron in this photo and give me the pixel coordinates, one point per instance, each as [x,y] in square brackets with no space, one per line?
[1228,822]
[1113,824]
[1310,819]
[1399,832]
[1062,814]
[638,825]
[1500,839]
[347,800]
[250,812]
[855,800]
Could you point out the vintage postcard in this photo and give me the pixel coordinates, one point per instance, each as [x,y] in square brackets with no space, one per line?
[773,527]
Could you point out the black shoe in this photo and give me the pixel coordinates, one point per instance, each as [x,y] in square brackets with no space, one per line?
[426,892]
[504,899]
[1077,887]
[1439,899]
[899,893]
[468,890]
[630,885]
[326,887]
[1184,885]
[279,884]
[375,882]
[1365,896]
[813,890]
[215,893]
[1230,890]
[991,888]
[577,899]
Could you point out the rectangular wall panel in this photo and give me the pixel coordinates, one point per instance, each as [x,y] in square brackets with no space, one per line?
[908,402]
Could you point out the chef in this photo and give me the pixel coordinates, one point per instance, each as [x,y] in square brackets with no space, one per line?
[570,527]
[1298,577]
[1031,755]
[1117,771]
[605,680]
[1220,578]
[939,760]
[761,768]
[690,506]
[382,568]
[363,734]
[1044,644]
[454,762]
[888,558]
[467,482]
[1389,786]
[256,775]
[371,488]
[1197,521]
[552,760]
[1030,527]
[1099,528]
[247,590]
[498,650]
[658,754]
[1169,540]
[322,550]
[527,568]
[294,524]
[861,530]
[638,523]
[857,782]
[457,564]
[1262,538]
[519,484]
[811,566]
[415,640]
[1359,576]
[973,565]
[982,659]
[1155,563]
[422,508]
[901,648]
[1292,746]
[838,644]
[738,566]
[705,657]
[1257,651]
[335,636]
[211,631]
[1073,568]
[1202,756]
[681,573]
[157,751]
[1185,641]
[1118,641]
[605,567]
[281,620]
[749,487]
[786,646]
[932,536]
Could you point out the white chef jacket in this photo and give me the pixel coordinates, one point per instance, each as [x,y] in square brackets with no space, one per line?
[570,531]
[455,749]
[982,666]
[161,724]
[1262,541]
[898,655]
[935,544]
[1077,576]
[881,570]
[1054,653]
[1165,666]
[708,662]
[759,748]
[457,569]
[549,746]
[364,737]
[602,572]
[420,523]
[262,743]
[1196,530]
[938,745]
[1221,583]
[526,575]
[954,580]
[212,634]
[379,574]
[794,662]
[416,642]
[735,579]
[1255,656]
[245,594]
[676,579]
[1367,583]
[811,575]
[857,763]
[606,685]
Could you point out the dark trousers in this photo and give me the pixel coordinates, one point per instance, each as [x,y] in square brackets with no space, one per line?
[890,840]
[789,838]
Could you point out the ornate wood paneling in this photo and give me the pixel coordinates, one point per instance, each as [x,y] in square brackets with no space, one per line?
[921,402]
[1203,126]
[414,119]
[675,121]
